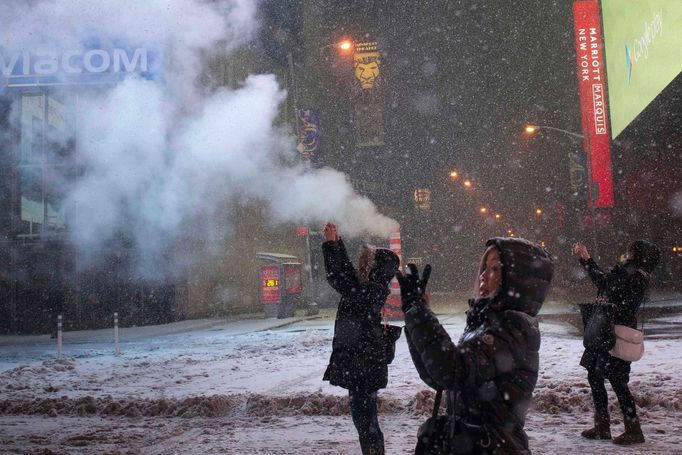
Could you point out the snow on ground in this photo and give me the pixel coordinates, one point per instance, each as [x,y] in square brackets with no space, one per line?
[254,387]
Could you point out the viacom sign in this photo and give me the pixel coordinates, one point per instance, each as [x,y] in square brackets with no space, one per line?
[22,69]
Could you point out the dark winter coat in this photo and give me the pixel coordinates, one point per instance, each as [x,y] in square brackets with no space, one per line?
[625,286]
[358,359]
[490,374]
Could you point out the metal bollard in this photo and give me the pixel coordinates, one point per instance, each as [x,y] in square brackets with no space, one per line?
[118,347]
[60,350]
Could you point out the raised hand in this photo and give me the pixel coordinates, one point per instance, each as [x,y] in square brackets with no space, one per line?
[580,250]
[412,288]
[331,234]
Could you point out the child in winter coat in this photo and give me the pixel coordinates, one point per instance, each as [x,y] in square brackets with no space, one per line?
[359,361]
[490,374]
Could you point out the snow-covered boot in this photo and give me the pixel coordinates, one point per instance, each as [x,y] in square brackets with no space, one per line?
[633,433]
[601,429]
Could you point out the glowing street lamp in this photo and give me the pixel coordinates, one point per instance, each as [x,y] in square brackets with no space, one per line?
[454,175]
[538,212]
[498,216]
[467,183]
[484,210]
[532,129]
[345,45]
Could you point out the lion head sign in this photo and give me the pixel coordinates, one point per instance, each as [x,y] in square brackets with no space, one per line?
[368,97]
[367,65]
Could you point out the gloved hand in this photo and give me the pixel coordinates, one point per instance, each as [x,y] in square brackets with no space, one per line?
[412,289]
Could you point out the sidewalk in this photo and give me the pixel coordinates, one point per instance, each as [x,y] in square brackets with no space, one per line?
[237,326]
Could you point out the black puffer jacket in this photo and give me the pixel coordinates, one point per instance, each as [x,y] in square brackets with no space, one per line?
[358,359]
[490,374]
[625,286]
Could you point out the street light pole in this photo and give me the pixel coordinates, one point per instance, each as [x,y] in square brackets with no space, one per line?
[531,129]
[534,128]
[345,45]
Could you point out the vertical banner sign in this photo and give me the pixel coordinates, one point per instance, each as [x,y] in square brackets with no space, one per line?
[592,84]
[368,95]
[309,135]
[422,199]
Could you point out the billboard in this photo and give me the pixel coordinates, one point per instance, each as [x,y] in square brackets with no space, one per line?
[643,47]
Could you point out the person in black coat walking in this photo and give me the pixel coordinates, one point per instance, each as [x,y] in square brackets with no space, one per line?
[358,360]
[625,287]
[490,374]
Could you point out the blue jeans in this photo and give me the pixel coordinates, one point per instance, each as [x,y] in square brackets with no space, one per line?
[363,410]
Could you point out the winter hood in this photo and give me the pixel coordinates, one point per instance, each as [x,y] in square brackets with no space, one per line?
[527,271]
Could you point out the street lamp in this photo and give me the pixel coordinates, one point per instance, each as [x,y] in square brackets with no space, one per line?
[344,46]
[454,175]
[467,183]
[532,129]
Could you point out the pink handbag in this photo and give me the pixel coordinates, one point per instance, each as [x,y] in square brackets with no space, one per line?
[629,343]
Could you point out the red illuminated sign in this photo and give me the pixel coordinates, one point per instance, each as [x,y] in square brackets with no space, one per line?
[269,284]
[594,108]
[292,274]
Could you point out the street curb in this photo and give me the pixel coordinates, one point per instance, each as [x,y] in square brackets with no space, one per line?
[288,323]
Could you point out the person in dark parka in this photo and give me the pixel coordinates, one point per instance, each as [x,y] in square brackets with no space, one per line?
[625,286]
[490,374]
[358,361]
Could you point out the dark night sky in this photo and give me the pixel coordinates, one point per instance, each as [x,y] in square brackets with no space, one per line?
[462,78]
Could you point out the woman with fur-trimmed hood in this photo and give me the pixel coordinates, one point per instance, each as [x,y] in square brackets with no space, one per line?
[490,373]
[359,360]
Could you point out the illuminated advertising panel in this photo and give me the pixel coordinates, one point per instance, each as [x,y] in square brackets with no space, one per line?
[643,46]
[292,274]
[270,284]
[593,106]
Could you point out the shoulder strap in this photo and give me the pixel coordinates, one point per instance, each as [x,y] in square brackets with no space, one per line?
[434,414]
[646,295]
[436,403]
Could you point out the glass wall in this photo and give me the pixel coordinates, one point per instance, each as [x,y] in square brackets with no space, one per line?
[45,148]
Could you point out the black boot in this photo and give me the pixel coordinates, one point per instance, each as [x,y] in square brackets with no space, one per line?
[372,447]
[601,429]
[633,433]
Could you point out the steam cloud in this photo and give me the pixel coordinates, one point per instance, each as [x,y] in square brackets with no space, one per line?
[158,155]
